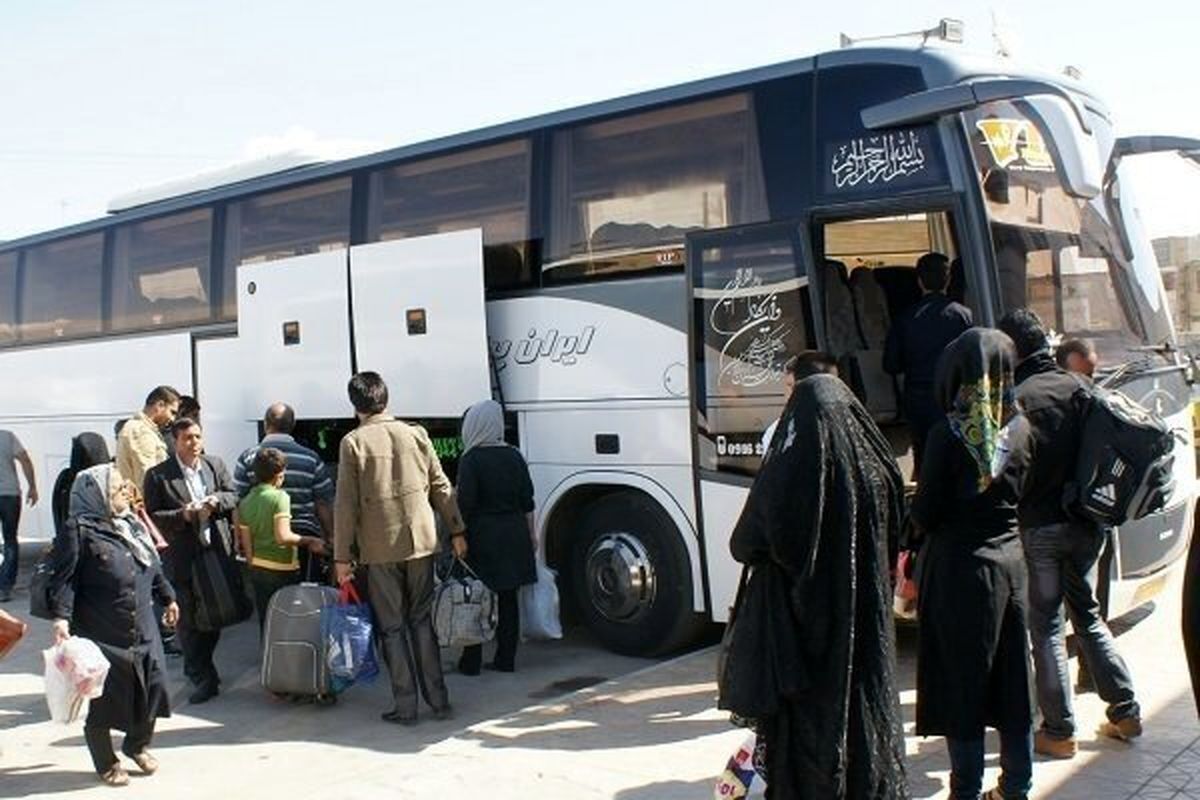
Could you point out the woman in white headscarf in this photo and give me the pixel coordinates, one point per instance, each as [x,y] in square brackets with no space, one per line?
[105,580]
[495,495]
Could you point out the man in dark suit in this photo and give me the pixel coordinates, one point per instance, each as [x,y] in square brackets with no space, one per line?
[191,499]
[916,340]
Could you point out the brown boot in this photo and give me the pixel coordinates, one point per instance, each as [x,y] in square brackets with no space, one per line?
[1123,729]
[1046,745]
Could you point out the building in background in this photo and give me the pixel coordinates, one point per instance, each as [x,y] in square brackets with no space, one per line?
[1179,259]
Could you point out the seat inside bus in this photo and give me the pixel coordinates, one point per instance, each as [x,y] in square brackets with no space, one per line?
[857,317]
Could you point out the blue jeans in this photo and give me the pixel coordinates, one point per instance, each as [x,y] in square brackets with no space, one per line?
[1062,569]
[966,766]
[10,517]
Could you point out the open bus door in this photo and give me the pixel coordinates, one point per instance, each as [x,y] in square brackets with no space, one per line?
[750,311]
[410,309]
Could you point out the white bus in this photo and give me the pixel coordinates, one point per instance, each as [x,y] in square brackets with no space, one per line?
[628,278]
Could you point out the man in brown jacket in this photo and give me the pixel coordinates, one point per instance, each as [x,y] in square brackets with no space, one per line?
[389,482]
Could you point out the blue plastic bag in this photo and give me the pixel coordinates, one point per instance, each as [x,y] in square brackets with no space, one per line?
[349,647]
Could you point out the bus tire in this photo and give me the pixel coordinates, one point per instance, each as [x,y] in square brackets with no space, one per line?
[631,577]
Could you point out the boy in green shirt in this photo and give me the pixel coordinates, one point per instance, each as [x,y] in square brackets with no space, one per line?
[264,525]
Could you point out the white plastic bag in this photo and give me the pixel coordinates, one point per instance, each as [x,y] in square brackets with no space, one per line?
[743,775]
[539,606]
[75,673]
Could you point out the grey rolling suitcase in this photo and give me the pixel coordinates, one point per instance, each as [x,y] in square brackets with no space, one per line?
[294,659]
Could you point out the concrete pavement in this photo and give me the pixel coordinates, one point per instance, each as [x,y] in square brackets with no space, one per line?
[651,732]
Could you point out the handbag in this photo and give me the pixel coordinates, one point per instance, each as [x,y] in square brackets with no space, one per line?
[39,585]
[465,611]
[349,640]
[727,636]
[218,594]
[12,630]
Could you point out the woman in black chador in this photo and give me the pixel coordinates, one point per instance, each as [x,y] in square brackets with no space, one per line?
[973,663]
[812,660]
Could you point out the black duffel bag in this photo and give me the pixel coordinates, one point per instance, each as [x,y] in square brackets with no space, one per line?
[218,593]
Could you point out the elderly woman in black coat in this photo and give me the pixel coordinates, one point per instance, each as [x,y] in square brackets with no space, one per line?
[973,667]
[106,576]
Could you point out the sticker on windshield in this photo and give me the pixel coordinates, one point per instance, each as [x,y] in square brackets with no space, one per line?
[877,159]
[1016,145]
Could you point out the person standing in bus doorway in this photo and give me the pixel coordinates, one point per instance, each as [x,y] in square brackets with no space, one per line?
[12,453]
[191,500]
[811,659]
[796,369]
[306,481]
[973,666]
[1062,553]
[389,483]
[140,443]
[914,342]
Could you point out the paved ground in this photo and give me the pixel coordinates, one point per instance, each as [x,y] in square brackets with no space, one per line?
[650,732]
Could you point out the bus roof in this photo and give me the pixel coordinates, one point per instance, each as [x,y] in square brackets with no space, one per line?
[941,66]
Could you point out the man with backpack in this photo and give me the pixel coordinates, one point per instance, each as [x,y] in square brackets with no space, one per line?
[1060,551]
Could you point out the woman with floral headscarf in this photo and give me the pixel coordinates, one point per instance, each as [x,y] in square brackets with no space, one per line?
[106,576]
[973,666]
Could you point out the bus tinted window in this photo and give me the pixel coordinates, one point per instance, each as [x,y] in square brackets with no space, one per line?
[8,298]
[161,271]
[61,293]
[626,191]
[1056,253]
[485,188]
[293,222]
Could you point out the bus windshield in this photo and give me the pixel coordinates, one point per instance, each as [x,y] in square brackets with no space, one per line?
[1085,266]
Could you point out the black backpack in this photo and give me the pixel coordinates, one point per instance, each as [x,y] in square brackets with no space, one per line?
[1125,465]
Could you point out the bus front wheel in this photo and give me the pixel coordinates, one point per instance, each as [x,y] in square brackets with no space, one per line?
[631,577]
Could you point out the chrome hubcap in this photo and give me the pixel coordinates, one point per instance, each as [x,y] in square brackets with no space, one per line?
[620,576]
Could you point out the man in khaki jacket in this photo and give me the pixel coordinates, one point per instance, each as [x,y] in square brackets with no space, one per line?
[389,482]
[140,444]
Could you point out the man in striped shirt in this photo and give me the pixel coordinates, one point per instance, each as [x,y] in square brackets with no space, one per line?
[306,481]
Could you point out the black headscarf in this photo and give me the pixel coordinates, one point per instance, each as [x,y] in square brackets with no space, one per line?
[87,450]
[813,645]
[976,390]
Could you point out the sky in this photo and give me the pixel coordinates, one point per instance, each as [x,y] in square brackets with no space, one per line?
[100,98]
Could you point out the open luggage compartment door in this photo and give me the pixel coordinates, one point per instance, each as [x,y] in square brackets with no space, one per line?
[419,321]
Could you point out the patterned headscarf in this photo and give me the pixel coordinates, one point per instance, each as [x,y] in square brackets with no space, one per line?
[100,497]
[976,390]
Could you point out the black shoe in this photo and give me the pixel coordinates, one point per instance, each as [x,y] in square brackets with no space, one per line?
[172,648]
[444,713]
[395,716]
[203,693]
[465,669]
[6,597]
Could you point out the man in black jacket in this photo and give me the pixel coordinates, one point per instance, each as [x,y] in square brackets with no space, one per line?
[914,342]
[191,499]
[1062,552]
